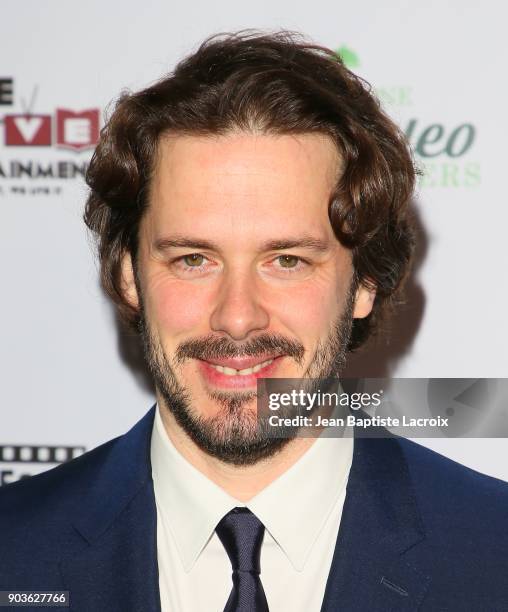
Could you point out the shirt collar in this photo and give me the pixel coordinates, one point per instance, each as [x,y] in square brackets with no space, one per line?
[193,504]
[295,506]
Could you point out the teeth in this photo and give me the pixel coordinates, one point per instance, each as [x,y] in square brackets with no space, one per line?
[244,372]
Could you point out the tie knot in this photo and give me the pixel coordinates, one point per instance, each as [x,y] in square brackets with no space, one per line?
[241,533]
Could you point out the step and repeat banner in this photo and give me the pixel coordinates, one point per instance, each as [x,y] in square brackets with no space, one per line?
[71,379]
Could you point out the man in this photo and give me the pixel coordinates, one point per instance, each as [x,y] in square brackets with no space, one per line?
[252,218]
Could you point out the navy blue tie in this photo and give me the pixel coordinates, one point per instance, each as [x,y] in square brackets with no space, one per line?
[241,533]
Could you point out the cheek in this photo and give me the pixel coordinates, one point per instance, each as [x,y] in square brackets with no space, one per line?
[178,308]
[309,311]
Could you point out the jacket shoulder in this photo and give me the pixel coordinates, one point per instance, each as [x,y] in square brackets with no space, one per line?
[60,513]
[454,497]
[34,505]
[119,464]
[35,519]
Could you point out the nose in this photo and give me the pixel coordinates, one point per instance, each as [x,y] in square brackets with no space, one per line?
[238,311]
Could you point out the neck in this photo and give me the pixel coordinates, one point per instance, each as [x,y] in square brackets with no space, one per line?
[241,482]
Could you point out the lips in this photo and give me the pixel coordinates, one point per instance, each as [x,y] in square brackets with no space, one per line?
[242,363]
[244,371]
[238,372]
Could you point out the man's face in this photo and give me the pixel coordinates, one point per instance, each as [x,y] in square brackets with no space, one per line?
[240,277]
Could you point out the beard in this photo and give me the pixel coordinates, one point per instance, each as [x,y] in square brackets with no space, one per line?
[235,435]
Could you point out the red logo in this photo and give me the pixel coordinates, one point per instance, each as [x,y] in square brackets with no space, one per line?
[77,130]
[28,130]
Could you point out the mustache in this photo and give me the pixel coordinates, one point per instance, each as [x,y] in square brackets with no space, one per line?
[211,347]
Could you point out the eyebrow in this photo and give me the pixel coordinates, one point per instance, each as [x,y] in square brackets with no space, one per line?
[302,242]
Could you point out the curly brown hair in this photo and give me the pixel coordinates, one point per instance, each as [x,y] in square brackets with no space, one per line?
[277,84]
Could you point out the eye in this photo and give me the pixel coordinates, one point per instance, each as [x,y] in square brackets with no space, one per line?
[194,260]
[191,265]
[290,266]
[288,261]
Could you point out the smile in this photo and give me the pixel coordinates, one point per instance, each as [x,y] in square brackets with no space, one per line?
[239,372]
[244,372]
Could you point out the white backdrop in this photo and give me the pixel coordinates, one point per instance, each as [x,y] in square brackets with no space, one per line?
[438,68]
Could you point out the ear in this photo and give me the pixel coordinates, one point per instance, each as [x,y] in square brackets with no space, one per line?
[364,301]
[128,283]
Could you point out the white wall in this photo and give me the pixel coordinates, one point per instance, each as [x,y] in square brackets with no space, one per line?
[65,381]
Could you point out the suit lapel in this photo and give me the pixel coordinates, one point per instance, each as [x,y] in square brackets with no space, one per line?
[380,523]
[114,567]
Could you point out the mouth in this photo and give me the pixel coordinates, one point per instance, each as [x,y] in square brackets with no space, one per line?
[238,372]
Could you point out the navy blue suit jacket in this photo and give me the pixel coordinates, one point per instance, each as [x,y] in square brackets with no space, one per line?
[418,532]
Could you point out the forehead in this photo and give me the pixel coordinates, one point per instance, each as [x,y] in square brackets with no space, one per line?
[249,184]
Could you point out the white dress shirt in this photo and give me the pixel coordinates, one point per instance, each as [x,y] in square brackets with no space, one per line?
[301,511]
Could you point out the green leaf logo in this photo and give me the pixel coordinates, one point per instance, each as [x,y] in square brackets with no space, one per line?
[348,56]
